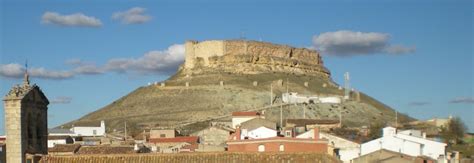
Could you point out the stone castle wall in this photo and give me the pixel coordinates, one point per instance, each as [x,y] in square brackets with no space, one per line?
[244,56]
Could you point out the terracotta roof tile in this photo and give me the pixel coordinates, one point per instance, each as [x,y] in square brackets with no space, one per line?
[106,150]
[65,148]
[187,139]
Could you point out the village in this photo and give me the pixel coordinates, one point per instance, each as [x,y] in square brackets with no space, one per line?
[246,132]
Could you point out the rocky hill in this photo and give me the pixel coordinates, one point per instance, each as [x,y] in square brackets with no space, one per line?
[220,77]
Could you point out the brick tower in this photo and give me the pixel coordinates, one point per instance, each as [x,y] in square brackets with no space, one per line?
[26,122]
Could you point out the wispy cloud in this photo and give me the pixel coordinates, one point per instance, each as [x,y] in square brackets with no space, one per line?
[135,15]
[61,100]
[349,43]
[157,61]
[151,62]
[418,103]
[14,70]
[72,20]
[465,100]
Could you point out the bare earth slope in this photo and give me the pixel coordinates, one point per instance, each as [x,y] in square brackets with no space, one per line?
[221,77]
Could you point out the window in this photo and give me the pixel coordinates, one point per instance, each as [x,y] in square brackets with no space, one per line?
[162,135]
[288,133]
[282,147]
[94,132]
[261,148]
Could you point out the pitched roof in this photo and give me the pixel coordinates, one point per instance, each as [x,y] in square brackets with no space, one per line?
[106,150]
[187,139]
[304,122]
[60,131]
[249,113]
[256,123]
[65,148]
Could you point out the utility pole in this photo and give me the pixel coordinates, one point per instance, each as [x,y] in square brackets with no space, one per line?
[125,133]
[396,119]
[281,115]
[346,85]
[340,116]
[271,94]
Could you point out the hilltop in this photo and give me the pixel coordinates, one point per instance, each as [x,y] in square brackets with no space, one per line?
[220,77]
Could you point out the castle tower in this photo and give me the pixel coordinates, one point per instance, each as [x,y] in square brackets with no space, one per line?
[26,122]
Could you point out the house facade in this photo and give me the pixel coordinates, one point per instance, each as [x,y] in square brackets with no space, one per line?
[162,133]
[213,138]
[344,149]
[55,140]
[240,117]
[89,130]
[276,144]
[405,143]
[258,128]
[174,145]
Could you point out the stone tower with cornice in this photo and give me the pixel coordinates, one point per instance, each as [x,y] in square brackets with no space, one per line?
[26,123]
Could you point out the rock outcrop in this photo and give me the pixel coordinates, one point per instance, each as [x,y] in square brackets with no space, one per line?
[251,57]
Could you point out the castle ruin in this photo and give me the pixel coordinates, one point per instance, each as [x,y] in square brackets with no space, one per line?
[251,57]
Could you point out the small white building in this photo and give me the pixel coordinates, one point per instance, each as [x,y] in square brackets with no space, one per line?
[293,97]
[258,133]
[240,117]
[258,128]
[347,150]
[54,140]
[89,130]
[406,142]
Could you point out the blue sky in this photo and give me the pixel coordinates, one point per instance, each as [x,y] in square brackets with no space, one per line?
[416,57]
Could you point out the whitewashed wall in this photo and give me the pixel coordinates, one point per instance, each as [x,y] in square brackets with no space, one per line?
[258,133]
[238,120]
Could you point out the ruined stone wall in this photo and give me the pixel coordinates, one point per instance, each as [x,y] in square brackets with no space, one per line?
[242,56]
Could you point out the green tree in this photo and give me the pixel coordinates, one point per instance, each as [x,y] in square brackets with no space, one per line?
[454,131]
[375,130]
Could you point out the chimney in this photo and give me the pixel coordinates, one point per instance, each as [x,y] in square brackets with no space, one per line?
[316,133]
[237,132]
[423,135]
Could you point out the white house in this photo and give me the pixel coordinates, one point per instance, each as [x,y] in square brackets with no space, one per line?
[53,140]
[347,150]
[258,128]
[240,117]
[258,133]
[89,130]
[60,132]
[406,142]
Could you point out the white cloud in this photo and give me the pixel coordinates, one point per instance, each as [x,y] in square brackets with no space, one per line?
[77,19]
[465,100]
[151,62]
[165,61]
[14,70]
[61,100]
[88,69]
[349,43]
[135,15]
[11,70]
